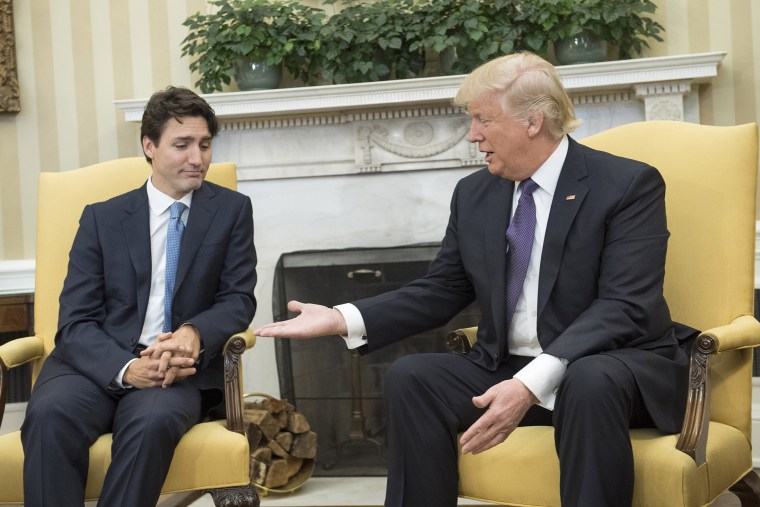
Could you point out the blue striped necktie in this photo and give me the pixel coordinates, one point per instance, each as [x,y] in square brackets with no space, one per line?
[173,242]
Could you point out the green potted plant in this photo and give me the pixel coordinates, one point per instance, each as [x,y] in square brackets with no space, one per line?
[246,33]
[624,24]
[467,33]
[370,41]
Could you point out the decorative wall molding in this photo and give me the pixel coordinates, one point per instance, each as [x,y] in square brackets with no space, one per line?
[620,75]
[17,277]
[9,86]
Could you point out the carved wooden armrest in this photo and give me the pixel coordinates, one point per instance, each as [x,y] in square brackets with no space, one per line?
[461,340]
[233,392]
[742,332]
[15,353]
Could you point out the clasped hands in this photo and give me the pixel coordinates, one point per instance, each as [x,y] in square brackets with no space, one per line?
[170,359]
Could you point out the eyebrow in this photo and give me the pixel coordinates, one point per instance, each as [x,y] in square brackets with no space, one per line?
[191,138]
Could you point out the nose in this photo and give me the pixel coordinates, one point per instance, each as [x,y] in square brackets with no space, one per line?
[474,136]
[194,155]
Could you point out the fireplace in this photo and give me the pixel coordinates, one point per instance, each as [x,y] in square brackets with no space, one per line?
[339,391]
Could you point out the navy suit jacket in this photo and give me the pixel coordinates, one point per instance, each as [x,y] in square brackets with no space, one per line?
[105,294]
[600,279]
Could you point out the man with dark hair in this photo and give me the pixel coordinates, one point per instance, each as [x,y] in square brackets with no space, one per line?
[563,248]
[158,279]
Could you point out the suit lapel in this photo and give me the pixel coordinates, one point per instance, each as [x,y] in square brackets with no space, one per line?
[202,211]
[498,211]
[561,217]
[136,228]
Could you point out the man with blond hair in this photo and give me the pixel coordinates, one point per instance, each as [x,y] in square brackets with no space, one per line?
[563,247]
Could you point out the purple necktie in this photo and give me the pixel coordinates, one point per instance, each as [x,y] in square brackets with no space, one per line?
[519,244]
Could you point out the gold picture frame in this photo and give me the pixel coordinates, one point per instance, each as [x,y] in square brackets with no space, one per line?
[9,91]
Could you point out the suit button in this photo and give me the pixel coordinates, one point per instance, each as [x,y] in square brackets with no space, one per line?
[132,342]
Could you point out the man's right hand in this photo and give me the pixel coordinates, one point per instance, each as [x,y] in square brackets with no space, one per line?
[145,373]
[313,321]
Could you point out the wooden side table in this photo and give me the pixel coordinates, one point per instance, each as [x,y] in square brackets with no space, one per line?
[16,321]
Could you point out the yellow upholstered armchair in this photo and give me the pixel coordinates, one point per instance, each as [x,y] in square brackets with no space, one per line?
[212,456]
[710,174]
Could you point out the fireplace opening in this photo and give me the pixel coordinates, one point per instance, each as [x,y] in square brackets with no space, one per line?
[338,390]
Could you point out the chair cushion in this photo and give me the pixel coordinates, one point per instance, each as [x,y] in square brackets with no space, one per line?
[208,456]
[664,475]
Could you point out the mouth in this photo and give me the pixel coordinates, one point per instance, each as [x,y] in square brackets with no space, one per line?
[488,156]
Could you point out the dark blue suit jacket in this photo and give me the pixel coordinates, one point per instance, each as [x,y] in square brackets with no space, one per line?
[600,279]
[105,294]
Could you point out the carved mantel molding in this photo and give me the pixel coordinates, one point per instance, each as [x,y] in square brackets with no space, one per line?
[593,79]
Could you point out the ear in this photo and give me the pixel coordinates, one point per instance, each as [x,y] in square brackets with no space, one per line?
[535,123]
[148,146]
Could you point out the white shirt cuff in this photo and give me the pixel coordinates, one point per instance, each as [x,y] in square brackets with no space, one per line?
[542,377]
[118,381]
[357,332]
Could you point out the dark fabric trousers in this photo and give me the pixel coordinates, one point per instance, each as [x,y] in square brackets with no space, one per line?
[66,414]
[429,401]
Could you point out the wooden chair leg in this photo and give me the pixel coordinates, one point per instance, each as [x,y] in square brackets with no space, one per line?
[748,490]
[241,496]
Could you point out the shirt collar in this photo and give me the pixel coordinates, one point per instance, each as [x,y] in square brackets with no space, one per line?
[547,175]
[159,202]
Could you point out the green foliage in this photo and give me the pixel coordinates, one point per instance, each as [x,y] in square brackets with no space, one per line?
[387,39]
[275,32]
[625,24]
[371,41]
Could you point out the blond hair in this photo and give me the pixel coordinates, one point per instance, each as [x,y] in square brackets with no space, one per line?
[529,85]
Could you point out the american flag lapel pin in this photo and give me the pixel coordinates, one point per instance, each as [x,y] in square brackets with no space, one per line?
[570,197]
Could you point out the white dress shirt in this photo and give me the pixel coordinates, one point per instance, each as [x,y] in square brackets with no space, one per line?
[544,373]
[159,204]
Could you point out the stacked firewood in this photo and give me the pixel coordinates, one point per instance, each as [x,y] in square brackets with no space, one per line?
[280,440]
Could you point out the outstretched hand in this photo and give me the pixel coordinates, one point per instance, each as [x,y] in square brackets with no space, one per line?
[313,321]
[506,402]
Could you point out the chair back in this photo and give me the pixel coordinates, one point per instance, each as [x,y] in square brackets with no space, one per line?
[61,198]
[710,174]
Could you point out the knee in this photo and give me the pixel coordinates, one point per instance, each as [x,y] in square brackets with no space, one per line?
[400,376]
[593,381]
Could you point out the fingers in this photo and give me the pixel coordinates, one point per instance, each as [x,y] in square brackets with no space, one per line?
[164,362]
[295,306]
[484,441]
[175,374]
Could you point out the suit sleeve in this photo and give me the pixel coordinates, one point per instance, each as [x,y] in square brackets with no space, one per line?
[423,304]
[233,304]
[81,341]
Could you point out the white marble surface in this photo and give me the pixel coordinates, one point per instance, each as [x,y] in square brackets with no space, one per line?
[330,491]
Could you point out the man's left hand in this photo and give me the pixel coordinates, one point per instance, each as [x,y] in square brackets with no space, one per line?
[185,342]
[507,403]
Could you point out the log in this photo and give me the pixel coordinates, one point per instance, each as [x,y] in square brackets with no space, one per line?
[254,435]
[280,441]
[277,475]
[304,445]
[285,439]
[297,423]
[264,420]
[277,449]
[262,454]
[258,471]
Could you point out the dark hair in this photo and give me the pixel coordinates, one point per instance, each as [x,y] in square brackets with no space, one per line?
[174,102]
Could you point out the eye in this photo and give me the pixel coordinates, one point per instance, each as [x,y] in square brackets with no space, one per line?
[205,146]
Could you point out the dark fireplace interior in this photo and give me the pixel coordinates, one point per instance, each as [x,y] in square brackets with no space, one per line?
[339,391]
